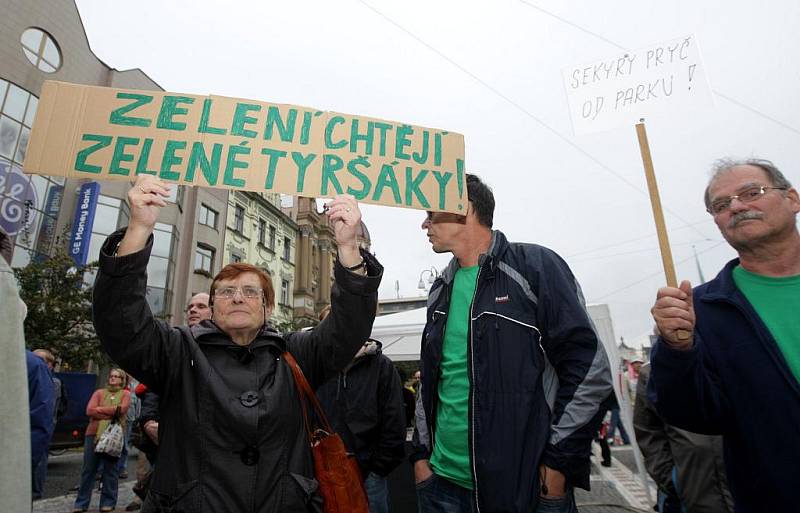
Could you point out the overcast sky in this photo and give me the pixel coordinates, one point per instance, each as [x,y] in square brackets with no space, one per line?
[493,71]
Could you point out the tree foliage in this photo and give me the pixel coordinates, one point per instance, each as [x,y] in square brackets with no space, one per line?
[59,309]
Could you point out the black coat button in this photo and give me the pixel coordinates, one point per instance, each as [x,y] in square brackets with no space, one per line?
[249,399]
[249,455]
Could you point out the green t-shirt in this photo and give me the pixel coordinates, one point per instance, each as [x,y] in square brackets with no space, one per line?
[777,302]
[450,458]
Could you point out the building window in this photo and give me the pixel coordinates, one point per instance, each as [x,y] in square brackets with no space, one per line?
[284,292]
[204,258]
[41,49]
[287,248]
[207,216]
[160,268]
[238,218]
[272,237]
[18,108]
[235,259]
[262,231]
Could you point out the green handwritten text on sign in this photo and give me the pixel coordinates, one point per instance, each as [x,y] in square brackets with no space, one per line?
[214,141]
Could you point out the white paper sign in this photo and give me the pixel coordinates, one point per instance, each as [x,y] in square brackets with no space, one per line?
[660,79]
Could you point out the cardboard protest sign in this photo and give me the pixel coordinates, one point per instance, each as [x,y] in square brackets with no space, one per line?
[659,79]
[104,133]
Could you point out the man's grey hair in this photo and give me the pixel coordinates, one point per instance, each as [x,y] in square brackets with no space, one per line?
[724,165]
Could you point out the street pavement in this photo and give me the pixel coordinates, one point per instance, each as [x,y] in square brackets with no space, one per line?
[613,490]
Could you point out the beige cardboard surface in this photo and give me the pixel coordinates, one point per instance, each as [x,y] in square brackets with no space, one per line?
[102,133]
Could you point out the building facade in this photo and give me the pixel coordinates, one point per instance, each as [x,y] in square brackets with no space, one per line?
[45,40]
[316,251]
[259,233]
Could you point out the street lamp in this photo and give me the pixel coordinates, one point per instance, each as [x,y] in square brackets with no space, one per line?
[432,275]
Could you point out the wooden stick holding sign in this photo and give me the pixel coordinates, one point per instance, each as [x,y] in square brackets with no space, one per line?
[658,213]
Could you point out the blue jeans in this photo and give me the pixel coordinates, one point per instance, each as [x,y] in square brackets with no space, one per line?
[565,504]
[438,495]
[377,493]
[91,461]
[616,422]
[39,475]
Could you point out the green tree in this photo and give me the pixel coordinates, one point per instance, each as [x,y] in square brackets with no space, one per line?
[60,309]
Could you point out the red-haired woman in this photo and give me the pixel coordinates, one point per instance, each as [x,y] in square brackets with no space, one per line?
[231,434]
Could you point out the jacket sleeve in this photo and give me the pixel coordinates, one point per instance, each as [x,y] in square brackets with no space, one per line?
[129,333]
[391,441]
[684,387]
[651,436]
[581,365]
[420,439]
[150,404]
[328,348]
[41,398]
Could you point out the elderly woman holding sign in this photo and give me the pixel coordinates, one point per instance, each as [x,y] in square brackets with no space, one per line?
[231,432]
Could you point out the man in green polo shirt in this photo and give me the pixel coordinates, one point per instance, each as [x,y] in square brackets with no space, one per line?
[513,373]
[728,359]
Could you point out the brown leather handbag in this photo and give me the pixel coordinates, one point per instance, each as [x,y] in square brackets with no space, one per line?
[337,471]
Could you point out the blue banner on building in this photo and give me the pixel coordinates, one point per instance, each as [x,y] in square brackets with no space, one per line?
[48,225]
[81,232]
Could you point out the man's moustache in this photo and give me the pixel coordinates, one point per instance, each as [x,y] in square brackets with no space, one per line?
[743,216]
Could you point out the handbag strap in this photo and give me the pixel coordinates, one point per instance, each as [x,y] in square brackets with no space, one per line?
[306,393]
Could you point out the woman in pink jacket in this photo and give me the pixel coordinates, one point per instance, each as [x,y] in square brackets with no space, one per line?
[106,404]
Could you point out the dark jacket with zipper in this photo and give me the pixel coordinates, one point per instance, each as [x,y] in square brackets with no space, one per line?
[231,434]
[700,481]
[735,382]
[364,404]
[538,374]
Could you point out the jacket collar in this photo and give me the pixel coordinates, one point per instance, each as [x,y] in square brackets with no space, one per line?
[208,333]
[723,286]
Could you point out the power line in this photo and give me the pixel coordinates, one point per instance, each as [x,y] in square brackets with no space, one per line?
[522,109]
[631,252]
[613,43]
[626,287]
[635,239]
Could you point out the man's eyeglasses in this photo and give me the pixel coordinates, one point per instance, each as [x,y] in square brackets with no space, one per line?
[748,195]
[247,291]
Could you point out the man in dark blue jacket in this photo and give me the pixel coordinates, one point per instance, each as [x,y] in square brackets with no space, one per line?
[728,359]
[41,399]
[513,373]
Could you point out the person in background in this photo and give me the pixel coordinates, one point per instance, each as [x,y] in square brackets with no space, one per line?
[60,408]
[409,398]
[688,468]
[106,404]
[41,401]
[364,404]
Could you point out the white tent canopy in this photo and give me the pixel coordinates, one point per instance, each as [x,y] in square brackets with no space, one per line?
[400,333]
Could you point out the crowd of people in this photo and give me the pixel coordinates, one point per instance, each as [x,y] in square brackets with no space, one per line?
[513,385]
